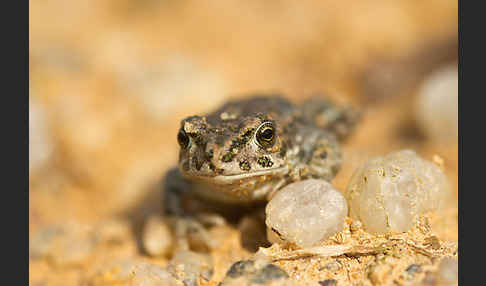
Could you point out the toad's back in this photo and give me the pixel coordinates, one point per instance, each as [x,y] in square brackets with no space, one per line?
[278,106]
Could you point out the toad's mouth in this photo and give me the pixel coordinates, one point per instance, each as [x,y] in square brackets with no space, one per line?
[237,178]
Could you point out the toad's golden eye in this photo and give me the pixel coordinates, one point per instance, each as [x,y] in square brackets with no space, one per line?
[265,135]
[183,139]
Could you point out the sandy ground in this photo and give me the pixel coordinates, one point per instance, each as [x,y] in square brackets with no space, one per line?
[110,81]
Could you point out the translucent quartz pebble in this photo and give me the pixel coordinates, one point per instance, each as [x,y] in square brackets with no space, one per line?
[387,193]
[437,104]
[305,213]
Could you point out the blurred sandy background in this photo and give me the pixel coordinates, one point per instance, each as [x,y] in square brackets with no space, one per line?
[111,79]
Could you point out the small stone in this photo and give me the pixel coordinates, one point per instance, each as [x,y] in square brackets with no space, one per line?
[328,282]
[413,268]
[269,272]
[240,268]
[188,266]
[157,238]
[388,193]
[249,272]
[134,273]
[432,242]
[113,231]
[332,266]
[306,213]
[437,105]
[448,270]
[355,226]
[63,245]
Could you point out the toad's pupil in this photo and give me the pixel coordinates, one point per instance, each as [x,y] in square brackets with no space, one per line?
[183,139]
[267,134]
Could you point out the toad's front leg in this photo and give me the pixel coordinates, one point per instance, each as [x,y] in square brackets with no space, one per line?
[189,221]
[189,215]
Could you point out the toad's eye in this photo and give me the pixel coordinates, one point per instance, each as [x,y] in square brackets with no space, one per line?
[183,139]
[265,135]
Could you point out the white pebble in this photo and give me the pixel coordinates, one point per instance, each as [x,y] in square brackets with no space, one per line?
[388,193]
[157,238]
[437,104]
[306,213]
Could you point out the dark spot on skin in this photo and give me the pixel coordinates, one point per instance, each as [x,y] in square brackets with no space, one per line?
[219,171]
[227,157]
[265,162]
[245,166]
[211,166]
[269,272]
[235,143]
[328,282]
[239,268]
[248,134]
[239,142]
